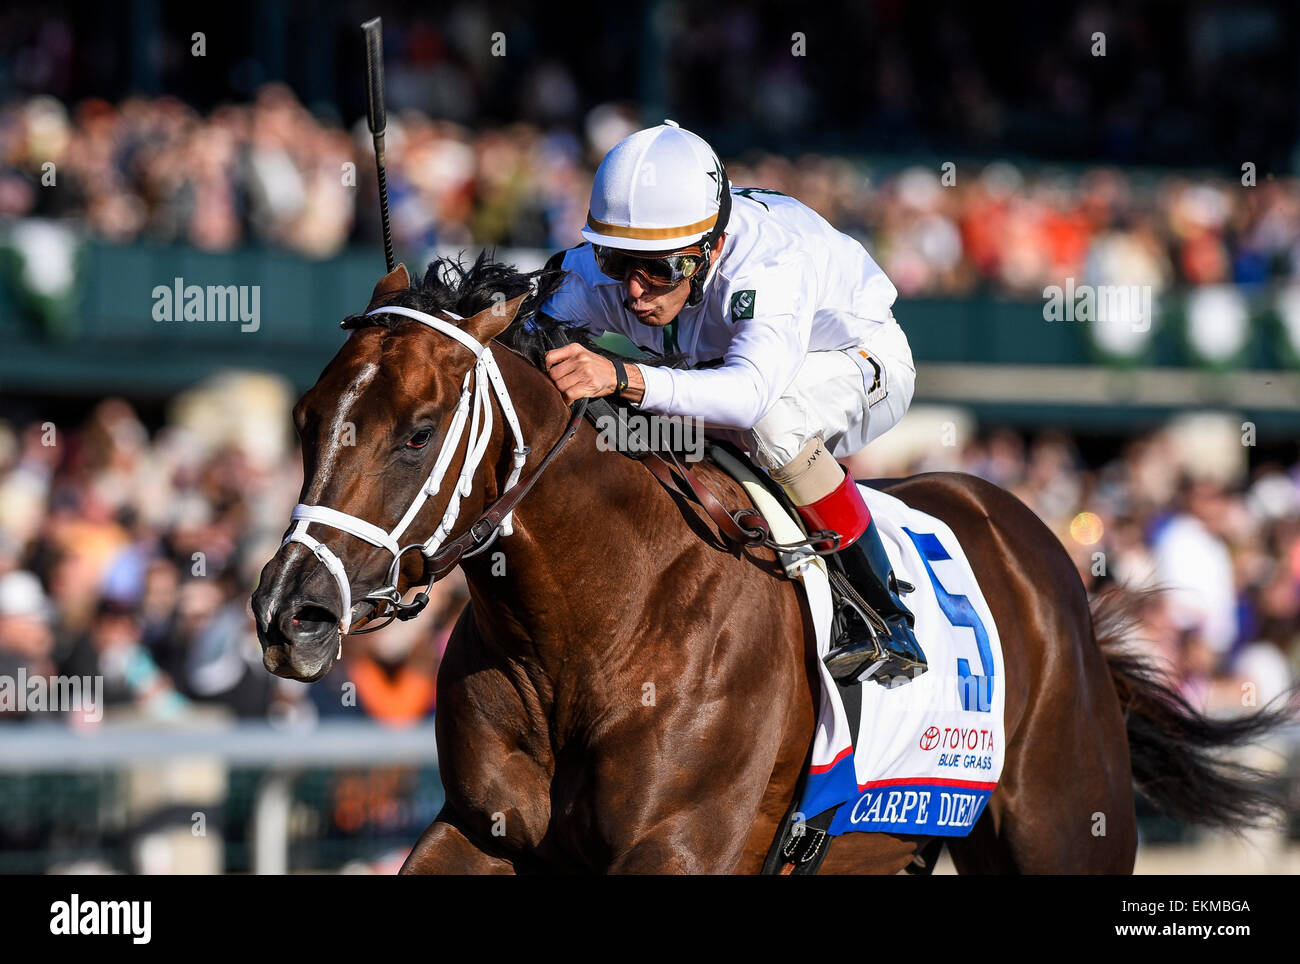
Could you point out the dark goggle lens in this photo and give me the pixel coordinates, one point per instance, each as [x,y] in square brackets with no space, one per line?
[672,269]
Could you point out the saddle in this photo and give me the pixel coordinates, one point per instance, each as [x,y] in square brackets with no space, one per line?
[799,846]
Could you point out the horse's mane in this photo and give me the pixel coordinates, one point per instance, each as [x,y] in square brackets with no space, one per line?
[451,285]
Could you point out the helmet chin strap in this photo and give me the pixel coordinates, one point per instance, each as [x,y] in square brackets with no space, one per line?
[697,280]
[711,239]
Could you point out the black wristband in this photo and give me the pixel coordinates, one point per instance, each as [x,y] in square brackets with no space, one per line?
[620,376]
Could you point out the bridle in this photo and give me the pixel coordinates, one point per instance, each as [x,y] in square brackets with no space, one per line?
[475,409]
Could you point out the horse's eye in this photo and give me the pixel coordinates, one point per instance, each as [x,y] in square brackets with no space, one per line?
[420,439]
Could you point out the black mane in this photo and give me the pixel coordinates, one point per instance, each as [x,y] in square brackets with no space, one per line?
[449,285]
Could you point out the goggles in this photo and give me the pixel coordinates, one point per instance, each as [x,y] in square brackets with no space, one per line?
[671,269]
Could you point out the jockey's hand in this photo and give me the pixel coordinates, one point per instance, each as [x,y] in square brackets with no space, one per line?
[579,373]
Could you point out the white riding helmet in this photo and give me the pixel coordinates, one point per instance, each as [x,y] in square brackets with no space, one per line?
[657,190]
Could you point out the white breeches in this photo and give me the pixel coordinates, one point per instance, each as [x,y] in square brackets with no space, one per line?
[840,396]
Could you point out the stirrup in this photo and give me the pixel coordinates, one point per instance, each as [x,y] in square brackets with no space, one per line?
[873,656]
[900,665]
[868,659]
[849,661]
[892,655]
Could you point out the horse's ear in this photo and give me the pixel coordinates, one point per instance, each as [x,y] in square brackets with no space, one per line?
[490,322]
[399,279]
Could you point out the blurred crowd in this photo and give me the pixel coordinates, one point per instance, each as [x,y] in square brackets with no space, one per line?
[131,556]
[271,172]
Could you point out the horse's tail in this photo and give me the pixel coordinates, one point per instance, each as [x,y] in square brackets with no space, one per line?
[1174,749]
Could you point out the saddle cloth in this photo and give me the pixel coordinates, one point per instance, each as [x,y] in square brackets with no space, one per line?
[923,757]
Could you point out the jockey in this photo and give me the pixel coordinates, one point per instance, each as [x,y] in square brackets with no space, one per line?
[813,365]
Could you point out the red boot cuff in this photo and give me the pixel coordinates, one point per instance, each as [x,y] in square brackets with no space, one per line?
[843,511]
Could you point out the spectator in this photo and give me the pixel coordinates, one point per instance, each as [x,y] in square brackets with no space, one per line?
[26,642]
[1193,563]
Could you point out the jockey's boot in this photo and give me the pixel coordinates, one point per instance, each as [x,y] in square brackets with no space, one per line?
[861,557]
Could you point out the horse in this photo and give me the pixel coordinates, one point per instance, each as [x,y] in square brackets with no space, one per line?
[626,692]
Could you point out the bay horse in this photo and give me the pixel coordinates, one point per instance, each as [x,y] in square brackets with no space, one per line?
[624,693]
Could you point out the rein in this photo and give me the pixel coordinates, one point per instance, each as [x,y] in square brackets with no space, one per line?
[475,408]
